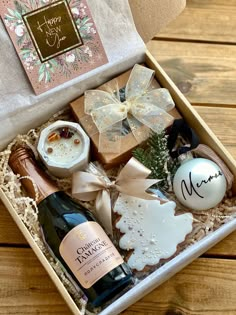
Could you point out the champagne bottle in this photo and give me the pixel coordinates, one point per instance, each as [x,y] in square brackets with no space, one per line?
[72,234]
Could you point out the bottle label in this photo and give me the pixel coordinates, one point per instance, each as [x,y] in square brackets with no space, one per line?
[89,253]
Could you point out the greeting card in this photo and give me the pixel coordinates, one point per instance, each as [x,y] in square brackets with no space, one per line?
[56,40]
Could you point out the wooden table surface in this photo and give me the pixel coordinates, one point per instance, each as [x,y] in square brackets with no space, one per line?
[198,51]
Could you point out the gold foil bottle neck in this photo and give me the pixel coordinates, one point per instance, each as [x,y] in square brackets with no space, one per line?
[22,162]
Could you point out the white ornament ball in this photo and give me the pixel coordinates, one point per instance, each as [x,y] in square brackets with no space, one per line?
[199,184]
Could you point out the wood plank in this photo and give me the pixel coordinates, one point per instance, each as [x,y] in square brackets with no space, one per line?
[204,20]
[222,122]
[211,4]
[205,287]
[25,288]
[226,248]
[205,73]
[9,232]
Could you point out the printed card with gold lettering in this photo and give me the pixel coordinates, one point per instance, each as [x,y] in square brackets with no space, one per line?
[56,40]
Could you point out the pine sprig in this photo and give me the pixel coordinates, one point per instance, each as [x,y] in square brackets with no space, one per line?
[155,156]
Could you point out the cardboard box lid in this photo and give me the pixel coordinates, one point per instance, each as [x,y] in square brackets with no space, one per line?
[150,16]
[21,109]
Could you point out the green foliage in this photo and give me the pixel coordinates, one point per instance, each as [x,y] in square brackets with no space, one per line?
[155,156]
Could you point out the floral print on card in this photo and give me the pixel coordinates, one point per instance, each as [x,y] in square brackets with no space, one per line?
[41,31]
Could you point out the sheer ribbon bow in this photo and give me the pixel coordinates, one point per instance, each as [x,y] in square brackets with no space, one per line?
[132,180]
[143,106]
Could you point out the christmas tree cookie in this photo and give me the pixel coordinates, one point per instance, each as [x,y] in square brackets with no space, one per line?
[150,230]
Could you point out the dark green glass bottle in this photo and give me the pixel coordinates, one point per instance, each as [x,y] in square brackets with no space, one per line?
[72,234]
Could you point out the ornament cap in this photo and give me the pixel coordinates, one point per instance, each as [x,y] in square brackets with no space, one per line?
[185,157]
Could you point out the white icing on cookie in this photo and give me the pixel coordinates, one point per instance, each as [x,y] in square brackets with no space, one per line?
[150,229]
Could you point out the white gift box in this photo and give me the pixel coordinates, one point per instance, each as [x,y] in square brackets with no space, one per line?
[124,48]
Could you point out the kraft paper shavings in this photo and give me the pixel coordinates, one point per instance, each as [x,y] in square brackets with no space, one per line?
[205,222]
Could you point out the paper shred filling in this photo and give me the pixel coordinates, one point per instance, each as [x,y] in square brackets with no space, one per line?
[205,222]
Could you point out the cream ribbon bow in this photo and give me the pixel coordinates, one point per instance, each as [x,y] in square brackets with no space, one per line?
[143,106]
[132,180]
